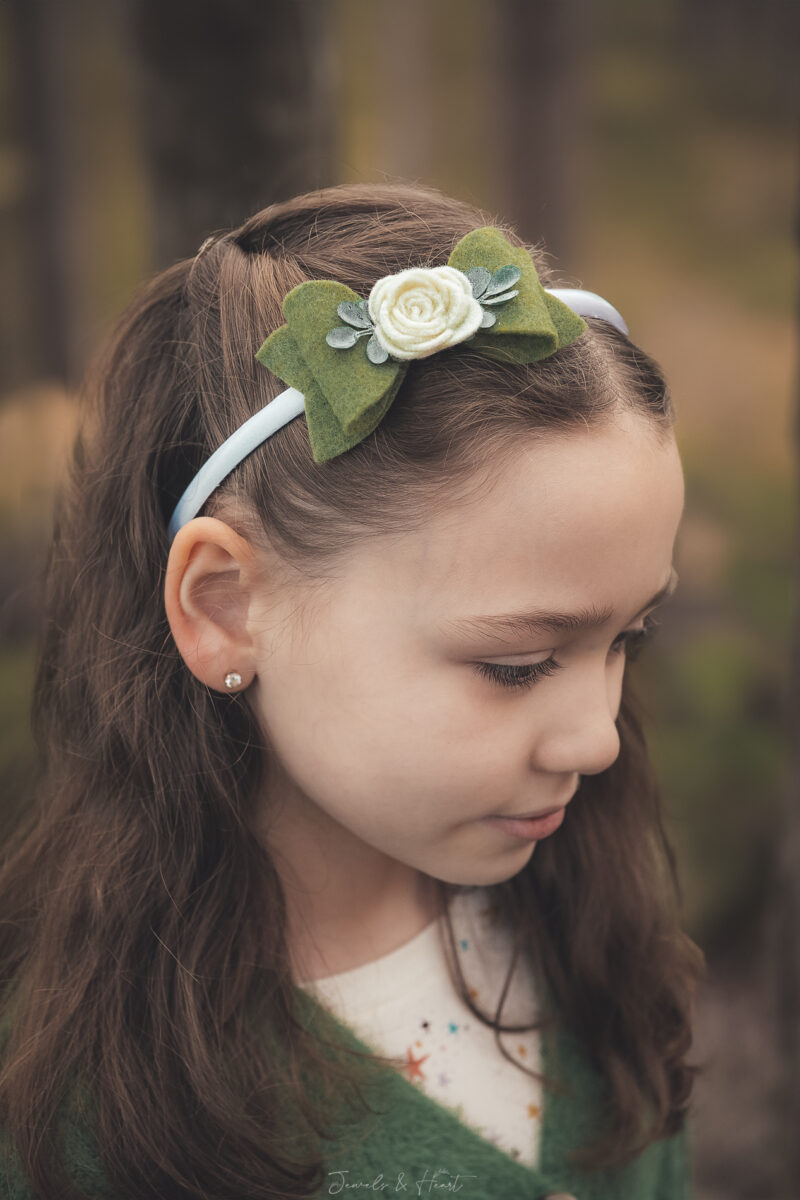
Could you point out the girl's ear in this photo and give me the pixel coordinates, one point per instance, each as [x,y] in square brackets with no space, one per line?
[209,577]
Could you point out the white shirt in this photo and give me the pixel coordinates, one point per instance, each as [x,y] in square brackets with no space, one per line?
[404,1004]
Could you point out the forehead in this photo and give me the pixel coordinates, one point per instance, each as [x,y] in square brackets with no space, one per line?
[568,520]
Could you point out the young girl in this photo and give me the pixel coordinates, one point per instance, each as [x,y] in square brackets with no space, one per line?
[289,919]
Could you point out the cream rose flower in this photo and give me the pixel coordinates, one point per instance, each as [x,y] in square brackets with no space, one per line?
[422,310]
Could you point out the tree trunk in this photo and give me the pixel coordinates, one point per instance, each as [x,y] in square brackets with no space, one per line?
[539,105]
[237,111]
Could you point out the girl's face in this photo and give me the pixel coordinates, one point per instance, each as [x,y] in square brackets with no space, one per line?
[392,739]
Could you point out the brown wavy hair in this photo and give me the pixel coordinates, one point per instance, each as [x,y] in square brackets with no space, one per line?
[142,942]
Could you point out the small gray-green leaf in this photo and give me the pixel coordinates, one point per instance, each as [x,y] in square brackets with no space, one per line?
[342,337]
[355,313]
[479,278]
[488,319]
[376,353]
[503,278]
[500,299]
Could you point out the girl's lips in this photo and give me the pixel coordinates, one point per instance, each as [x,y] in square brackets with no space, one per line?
[542,812]
[532,829]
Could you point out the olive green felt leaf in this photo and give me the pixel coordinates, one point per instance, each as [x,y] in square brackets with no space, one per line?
[530,326]
[343,403]
[569,326]
[353,385]
[279,353]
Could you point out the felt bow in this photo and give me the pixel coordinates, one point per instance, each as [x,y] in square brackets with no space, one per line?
[349,384]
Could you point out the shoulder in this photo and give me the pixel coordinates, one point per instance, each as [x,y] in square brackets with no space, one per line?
[81,1165]
[13,1183]
[74,1137]
[79,1159]
[662,1171]
[675,1181]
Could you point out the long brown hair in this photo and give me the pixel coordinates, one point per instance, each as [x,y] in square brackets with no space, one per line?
[142,943]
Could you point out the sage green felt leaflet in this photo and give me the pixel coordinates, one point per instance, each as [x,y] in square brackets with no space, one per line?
[347,394]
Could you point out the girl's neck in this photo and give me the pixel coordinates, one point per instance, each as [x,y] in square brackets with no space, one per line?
[347,903]
[379,931]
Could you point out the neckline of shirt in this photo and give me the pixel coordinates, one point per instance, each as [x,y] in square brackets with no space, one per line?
[410,959]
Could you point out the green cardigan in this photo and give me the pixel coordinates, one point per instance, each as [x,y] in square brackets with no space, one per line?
[418,1137]
[421,1147]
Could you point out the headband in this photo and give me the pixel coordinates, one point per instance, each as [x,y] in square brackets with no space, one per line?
[488,295]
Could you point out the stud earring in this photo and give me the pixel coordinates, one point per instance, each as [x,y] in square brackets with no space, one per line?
[233,680]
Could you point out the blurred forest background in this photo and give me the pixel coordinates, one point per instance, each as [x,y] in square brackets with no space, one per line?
[652,147]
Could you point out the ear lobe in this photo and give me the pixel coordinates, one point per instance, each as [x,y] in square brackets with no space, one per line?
[207,597]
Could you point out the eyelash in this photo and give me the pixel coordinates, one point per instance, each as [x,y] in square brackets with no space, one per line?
[631,641]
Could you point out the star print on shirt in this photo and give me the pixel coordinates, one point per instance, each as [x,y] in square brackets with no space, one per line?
[413,1065]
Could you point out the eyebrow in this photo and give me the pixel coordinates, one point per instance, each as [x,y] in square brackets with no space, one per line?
[538,621]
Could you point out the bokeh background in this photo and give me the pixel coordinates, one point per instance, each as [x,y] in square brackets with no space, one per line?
[652,147]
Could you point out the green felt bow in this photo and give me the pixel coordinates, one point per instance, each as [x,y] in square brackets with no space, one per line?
[347,393]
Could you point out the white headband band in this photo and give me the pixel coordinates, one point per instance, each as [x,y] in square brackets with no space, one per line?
[291,403]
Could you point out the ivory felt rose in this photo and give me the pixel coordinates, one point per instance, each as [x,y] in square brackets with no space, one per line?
[422,310]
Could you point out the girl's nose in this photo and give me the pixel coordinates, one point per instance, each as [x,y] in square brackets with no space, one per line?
[580,733]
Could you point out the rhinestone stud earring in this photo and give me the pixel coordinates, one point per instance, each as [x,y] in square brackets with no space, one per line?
[233,680]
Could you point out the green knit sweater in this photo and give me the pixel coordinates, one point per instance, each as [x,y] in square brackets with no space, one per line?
[422,1147]
[418,1146]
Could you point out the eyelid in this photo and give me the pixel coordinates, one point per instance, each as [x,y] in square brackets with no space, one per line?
[644,618]
[504,674]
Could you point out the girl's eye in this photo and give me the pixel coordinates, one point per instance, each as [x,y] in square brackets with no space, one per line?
[631,641]
[517,676]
